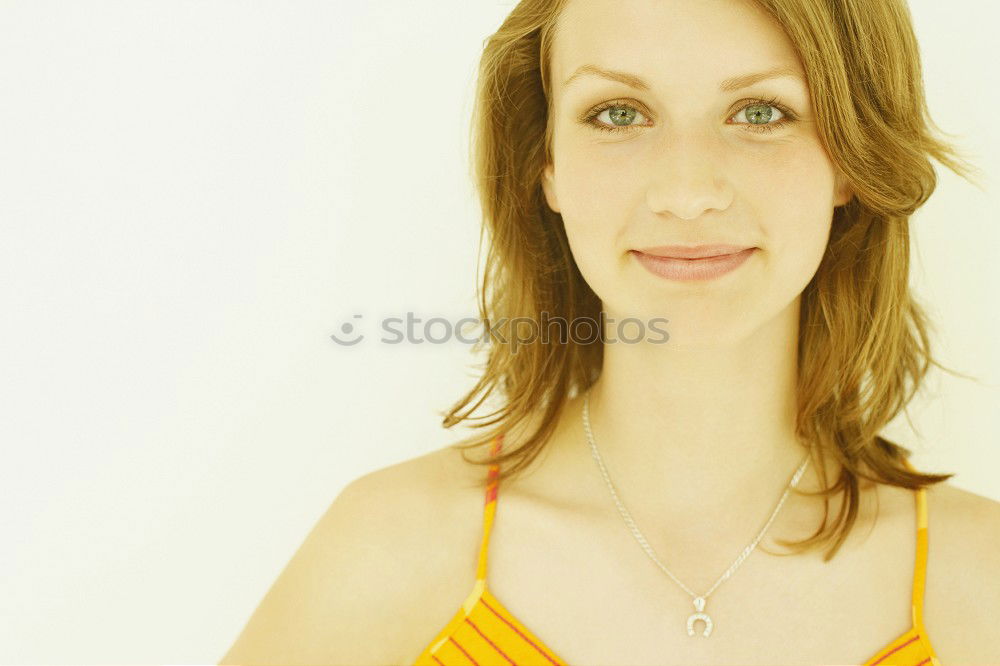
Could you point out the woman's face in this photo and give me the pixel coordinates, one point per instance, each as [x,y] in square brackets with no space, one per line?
[684,159]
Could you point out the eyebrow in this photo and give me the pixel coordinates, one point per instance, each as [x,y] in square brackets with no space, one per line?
[729,85]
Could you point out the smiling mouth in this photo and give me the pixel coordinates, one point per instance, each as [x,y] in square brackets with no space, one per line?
[693,269]
[693,252]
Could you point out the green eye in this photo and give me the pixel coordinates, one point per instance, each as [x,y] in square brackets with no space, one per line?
[758,112]
[625,114]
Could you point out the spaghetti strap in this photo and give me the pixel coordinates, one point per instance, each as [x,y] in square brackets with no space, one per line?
[920,566]
[920,561]
[489,510]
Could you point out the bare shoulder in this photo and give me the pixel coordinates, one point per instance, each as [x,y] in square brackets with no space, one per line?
[384,563]
[962,595]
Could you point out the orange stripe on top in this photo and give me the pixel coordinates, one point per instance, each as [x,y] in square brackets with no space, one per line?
[483,632]
[490,509]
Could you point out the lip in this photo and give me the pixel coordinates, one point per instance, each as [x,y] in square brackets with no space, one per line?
[705,268]
[692,251]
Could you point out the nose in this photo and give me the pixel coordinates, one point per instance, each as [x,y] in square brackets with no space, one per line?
[686,179]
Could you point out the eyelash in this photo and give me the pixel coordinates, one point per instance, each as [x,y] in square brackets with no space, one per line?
[787,116]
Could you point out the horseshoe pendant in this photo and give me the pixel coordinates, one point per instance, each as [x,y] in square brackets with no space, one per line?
[699,605]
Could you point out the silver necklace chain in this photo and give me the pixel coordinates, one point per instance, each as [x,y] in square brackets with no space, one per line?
[699,601]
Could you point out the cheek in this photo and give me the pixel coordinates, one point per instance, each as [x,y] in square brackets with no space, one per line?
[796,175]
[595,184]
[792,198]
[597,191]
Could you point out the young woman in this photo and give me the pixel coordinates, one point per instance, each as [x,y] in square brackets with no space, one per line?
[713,198]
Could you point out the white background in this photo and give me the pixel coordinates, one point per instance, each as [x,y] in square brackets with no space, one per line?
[194,195]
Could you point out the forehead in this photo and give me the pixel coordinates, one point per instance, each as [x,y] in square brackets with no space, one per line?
[686,44]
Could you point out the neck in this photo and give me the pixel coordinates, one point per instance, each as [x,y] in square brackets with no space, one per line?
[690,433]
